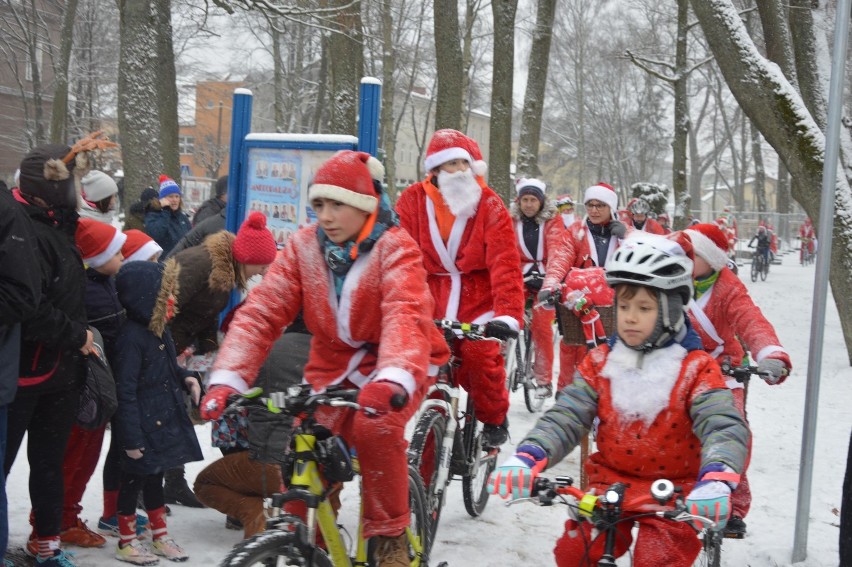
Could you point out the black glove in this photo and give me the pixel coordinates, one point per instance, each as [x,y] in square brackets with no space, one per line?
[547,298]
[617,229]
[499,330]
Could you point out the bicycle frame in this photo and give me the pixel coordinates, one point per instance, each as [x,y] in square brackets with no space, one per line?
[448,403]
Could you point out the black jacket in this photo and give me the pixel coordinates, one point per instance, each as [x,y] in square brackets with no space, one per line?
[20,286]
[104,311]
[209,208]
[52,337]
[199,233]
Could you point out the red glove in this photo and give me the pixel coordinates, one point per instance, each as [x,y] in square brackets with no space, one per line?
[381,397]
[215,401]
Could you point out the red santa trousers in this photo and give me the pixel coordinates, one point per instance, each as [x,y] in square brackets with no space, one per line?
[81,459]
[483,375]
[741,496]
[569,358]
[541,328]
[659,542]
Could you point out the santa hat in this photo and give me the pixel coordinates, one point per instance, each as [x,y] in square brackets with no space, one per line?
[534,187]
[604,193]
[168,186]
[683,242]
[348,177]
[98,242]
[139,247]
[254,243]
[710,243]
[448,144]
[98,186]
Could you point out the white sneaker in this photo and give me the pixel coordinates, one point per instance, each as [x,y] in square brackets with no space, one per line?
[169,549]
[136,553]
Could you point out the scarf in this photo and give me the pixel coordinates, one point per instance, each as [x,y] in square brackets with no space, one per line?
[704,284]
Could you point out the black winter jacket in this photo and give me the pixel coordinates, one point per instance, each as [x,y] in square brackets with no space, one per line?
[199,233]
[167,227]
[105,312]
[209,208]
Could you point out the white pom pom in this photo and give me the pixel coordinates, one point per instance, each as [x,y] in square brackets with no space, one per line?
[479,168]
[377,170]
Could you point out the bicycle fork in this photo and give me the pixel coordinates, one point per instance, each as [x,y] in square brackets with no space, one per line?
[449,409]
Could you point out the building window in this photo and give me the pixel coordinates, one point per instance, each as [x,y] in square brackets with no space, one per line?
[186,145]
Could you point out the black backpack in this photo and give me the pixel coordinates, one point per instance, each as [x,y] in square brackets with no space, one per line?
[98,400]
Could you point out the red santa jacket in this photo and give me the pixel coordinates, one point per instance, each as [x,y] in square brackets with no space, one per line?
[725,315]
[650,226]
[475,276]
[555,253]
[380,328]
[585,253]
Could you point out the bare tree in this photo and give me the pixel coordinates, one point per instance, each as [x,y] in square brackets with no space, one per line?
[59,112]
[450,73]
[346,66]
[500,141]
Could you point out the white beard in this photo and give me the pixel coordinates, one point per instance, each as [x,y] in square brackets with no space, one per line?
[461,192]
[640,394]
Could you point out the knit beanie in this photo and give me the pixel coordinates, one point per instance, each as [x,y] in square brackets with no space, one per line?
[350,178]
[604,193]
[447,145]
[97,186]
[168,186]
[98,242]
[534,187]
[44,174]
[254,244]
[710,243]
[139,247]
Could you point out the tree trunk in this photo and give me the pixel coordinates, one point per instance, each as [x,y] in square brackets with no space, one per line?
[783,193]
[776,35]
[448,61]
[388,141]
[322,85]
[681,118]
[804,49]
[536,83]
[759,184]
[59,112]
[167,90]
[277,75]
[781,116]
[138,108]
[500,141]
[346,67]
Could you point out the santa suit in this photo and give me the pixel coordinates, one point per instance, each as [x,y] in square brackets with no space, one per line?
[568,218]
[650,226]
[723,316]
[807,236]
[380,328]
[552,256]
[664,418]
[474,277]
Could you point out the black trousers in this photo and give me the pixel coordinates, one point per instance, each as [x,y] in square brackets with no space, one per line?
[151,486]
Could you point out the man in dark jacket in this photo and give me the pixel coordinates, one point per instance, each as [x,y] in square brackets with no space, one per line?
[20,291]
[214,205]
[55,339]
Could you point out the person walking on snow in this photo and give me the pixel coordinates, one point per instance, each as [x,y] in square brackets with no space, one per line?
[466,235]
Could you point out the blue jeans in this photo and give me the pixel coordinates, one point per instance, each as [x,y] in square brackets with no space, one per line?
[4,505]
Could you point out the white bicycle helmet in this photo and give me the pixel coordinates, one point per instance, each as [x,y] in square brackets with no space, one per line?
[639,207]
[651,262]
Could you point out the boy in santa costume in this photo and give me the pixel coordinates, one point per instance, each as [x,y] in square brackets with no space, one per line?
[359,280]
[664,412]
[727,319]
[469,252]
[544,248]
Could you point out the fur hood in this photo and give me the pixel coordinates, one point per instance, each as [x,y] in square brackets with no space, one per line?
[547,211]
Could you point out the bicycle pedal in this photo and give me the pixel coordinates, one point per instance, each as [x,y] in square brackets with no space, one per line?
[731,535]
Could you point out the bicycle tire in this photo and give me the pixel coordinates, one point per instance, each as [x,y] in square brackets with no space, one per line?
[424,454]
[520,357]
[532,400]
[765,271]
[711,550]
[475,482]
[510,363]
[267,547]
[754,268]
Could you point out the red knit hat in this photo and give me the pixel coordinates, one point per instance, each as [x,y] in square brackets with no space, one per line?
[604,193]
[347,177]
[710,243]
[447,145]
[98,242]
[139,246]
[254,244]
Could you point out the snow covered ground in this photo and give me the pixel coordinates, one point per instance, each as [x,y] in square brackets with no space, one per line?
[525,534]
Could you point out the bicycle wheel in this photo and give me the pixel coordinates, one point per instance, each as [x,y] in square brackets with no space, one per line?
[765,271]
[532,399]
[475,482]
[419,520]
[755,267]
[275,548]
[510,363]
[424,454]
[711,551]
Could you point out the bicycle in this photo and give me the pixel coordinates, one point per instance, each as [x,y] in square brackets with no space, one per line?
[806,253]
[759,266]
[520,360]
[316,459]
[447,439]
[610,509]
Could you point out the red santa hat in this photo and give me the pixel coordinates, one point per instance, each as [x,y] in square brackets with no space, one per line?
[347,177]
[710,243]
[683,244]
[254,244]
[448,144]
[139,247]
[98,242]
[604,193]
[534,187]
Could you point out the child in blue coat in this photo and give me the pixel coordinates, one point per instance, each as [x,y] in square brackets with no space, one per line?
[152,425]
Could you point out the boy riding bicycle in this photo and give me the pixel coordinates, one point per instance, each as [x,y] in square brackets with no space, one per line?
[663,407]
[764,240]
[359,280]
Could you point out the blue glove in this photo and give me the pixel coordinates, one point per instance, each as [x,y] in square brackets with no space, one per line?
[711,497]
[515,477]
[772,370]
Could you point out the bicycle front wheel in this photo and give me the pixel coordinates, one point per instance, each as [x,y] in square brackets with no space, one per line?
[275,548]
[765,271]
[475,481]
[424,454]
[711,551]
[755,268]
[532,399]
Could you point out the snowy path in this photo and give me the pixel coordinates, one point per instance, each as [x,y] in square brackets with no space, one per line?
[526,534]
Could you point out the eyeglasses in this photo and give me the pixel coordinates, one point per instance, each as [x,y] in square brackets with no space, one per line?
[591,205]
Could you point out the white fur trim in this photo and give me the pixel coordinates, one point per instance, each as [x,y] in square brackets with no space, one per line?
[708,250]
[524,182]
[114,248]
[376,168]
[360,201]
[144,252]
[601,193]
[222,377]
[398,376]
[511,321]
[479,167]
[435,160]
[767,350]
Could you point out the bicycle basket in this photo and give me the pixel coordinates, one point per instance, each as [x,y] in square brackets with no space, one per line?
[268,435]
[334,459]
[572,328]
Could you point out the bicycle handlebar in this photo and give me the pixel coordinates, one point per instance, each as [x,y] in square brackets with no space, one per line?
[742,373]
[472,331]
[300,399]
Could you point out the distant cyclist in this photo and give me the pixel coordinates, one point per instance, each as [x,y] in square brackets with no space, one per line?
[638,210]
[763,242]
[565,207]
